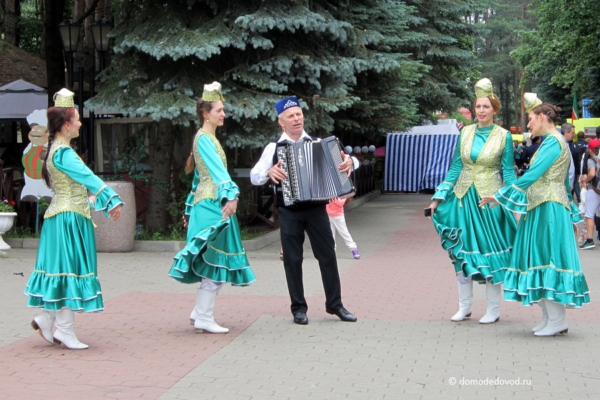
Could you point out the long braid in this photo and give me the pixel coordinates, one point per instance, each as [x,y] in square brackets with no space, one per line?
[45,174]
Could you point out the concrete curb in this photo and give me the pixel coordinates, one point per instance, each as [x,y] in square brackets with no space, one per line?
[174,246]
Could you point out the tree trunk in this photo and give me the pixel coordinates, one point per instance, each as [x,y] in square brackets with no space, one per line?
[517,101]
[53,47]
[162,142]
[12,11]
[523,117]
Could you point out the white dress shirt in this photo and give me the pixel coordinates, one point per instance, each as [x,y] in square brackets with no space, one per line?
[258,174]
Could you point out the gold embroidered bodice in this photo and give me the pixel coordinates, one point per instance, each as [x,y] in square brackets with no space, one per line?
[206,189]
[551,185]
[485,172]
[68,194]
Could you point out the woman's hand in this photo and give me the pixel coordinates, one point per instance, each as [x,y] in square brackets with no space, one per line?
[229,208]
[115,213]
[433,206]
[489,199]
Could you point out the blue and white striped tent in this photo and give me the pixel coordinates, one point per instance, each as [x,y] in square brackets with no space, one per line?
[418,159]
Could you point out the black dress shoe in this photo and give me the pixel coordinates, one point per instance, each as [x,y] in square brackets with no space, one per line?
[343,314]
[300,318]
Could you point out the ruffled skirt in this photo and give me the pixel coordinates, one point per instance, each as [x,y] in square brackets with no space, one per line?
[478,239]
[545,263]
[213,250]
[65,273]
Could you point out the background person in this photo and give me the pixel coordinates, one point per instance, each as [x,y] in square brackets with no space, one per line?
[478,240]
[592,199]
[337,220]
[65,277]
[213,253]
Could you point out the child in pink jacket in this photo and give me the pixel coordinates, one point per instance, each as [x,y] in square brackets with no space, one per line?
[335,211]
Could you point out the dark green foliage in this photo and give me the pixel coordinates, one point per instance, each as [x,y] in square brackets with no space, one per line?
[500,31]
[564,50]
[359,67]
[441,38]
[30,26]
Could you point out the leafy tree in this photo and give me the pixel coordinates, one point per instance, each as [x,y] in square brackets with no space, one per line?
[344,61]
[441,37]
[502,24]
[30,26]
[563,50]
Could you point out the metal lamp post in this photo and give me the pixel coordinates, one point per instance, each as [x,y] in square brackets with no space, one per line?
[100,30]
[69,32]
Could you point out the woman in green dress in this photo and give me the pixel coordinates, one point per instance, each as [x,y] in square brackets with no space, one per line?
[478,240]
[213,253]
[544,267]
[65,276]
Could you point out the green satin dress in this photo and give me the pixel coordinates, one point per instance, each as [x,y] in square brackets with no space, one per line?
[478,239]
[214,245]
[544,262]
[66,273]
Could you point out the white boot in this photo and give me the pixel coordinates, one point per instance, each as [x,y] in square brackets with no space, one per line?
[205,307]
[43,324]
[64,330]
[557,320]
[492,294]
[465,300]
[194,313]
[544,321]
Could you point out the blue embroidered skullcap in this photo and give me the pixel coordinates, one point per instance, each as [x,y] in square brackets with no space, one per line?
[286,103]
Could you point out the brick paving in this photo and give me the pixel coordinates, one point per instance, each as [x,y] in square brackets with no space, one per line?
[403,346]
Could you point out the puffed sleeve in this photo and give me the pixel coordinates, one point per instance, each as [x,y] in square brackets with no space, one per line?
[508,162]
[576,214]
[514,196]
[66,160]
[226,188]
[454,171]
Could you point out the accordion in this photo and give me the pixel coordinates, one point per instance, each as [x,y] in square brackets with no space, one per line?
[312,173]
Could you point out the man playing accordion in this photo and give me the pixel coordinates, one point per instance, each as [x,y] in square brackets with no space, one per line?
[310,217]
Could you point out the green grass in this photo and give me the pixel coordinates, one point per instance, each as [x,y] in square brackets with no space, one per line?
[19,232]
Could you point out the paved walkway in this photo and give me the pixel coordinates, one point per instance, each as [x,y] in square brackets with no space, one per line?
[403,345]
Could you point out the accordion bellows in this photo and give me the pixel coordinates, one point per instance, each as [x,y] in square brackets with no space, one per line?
[312,173]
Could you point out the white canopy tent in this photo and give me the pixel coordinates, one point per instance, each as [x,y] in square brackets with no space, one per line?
[18,99]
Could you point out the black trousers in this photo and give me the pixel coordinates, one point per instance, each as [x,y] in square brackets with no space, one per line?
[315,222]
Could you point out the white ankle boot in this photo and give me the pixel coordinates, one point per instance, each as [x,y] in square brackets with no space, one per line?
[544,320]
[205,307]
[465,300]
[43,324]
[64,330]
[557,320]
[493,293]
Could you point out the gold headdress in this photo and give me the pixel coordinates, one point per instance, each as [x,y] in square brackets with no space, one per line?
[484,88]
[212,92]
[530,100]
[64,98]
